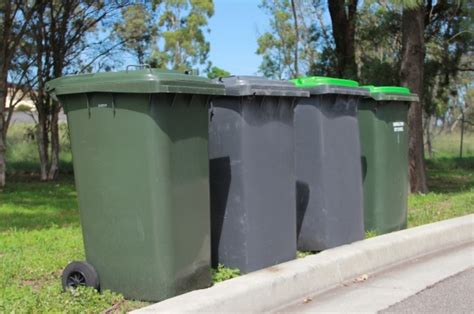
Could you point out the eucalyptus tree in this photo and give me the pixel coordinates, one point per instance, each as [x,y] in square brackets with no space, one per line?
[137,30]
[288,47]
[182,26]
[15,17]
[61,38]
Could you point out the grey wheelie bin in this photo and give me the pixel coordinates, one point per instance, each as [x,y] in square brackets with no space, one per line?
[328,168]
[252,173]
[140,149]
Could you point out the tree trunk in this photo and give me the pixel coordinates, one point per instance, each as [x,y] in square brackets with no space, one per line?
[3,127]
[462,133]
[4,53]
[411,74]
[54,168]
[42,141]
[297,35]
[3,164]
[343,29]
[429,135]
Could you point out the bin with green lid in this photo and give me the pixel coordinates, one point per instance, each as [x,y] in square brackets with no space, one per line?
[327,160]
[253,221]
[140,150]
[384,145]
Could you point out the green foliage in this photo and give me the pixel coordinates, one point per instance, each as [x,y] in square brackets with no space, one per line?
[325,64]
[215,72]
[182,26]
[277,47]
[449,42]
[378,44]
[407,4]
[22,108]
[370,234]
[301,254]
[138,30]
[223,273]
[280,44]
[22,154]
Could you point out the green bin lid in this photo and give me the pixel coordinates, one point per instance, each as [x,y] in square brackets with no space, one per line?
[147,81]
[321,85]
[395,93]
[314,81]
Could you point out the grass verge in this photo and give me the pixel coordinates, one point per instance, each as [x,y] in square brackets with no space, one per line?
[451,185]
[40,231]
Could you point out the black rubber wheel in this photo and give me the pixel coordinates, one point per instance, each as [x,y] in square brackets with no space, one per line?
[79,274]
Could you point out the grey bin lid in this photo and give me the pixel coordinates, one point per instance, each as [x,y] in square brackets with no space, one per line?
[394,97]
[336,89]
[148,81]
[259,86]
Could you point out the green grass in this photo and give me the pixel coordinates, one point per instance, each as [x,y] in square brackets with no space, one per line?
[446,145]
[40,230]
[224,273]
[22,154]
[29,204]
[451,184]
[450,181]
[39,235]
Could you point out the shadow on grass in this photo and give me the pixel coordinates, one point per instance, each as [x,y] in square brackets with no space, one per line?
[38,220]
[450,175]
[27,203]
[22,168]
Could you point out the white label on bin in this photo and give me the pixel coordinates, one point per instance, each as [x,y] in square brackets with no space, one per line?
[102,105]
[398,126]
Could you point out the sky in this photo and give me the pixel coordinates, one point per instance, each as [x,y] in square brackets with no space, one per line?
[235,26]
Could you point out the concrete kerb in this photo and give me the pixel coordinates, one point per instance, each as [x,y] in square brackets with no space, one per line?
[278,285]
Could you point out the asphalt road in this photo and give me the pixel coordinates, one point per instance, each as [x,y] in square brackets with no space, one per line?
[452,295]
[22,117]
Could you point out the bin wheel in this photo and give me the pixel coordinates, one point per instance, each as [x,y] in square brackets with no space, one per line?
[78,274]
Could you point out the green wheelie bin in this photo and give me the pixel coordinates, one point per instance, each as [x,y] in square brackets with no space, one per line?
[384,148]
[140,153]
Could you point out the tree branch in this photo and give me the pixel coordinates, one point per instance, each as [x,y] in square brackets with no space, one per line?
[465,69]
[103,53]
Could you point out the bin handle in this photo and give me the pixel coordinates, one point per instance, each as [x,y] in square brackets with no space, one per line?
[139,66]
[191,72]
[113,103]
[88,105]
